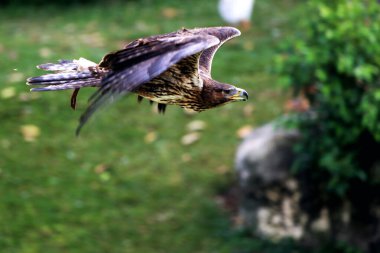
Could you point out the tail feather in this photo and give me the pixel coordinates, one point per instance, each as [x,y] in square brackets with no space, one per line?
[59,77]
[62,65]
[68,75]
[65,85]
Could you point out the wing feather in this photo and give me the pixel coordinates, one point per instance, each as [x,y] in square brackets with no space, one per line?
[138,64]
[224,34]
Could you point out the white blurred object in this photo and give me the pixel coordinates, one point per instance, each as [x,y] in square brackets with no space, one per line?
[236,11]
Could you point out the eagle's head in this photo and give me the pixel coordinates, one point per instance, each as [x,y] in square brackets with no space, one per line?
[215,93]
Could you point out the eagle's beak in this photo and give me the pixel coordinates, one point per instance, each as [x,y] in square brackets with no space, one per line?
[240,95]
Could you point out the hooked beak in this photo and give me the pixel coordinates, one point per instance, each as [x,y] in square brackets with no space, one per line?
[240,95]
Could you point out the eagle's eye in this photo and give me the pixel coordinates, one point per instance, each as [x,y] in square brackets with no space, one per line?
[228,91]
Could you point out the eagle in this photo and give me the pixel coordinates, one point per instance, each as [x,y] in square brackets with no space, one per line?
[169,69]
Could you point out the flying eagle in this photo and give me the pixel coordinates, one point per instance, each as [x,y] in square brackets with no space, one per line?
[170,69]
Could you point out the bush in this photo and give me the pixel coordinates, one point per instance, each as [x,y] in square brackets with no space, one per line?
[334,61]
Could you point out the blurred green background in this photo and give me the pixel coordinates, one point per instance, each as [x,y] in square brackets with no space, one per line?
[137,181]
[127,183]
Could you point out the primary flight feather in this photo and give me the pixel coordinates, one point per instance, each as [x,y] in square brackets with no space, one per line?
[170,69]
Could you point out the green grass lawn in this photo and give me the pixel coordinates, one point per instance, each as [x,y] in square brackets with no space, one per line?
[127,183]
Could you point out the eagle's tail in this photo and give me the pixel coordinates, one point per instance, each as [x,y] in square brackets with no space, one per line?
[67,74]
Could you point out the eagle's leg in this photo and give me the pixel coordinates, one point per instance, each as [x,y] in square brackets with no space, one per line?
[161,108]
[73,101]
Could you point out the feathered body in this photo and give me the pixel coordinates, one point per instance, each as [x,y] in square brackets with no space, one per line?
[173,68]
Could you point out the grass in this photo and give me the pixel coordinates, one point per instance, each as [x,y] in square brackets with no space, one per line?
[111,190]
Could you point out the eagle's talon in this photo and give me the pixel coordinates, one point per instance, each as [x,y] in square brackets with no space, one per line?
[73,101]
[161,108]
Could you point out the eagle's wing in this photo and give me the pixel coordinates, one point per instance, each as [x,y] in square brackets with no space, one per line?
[142,61]
[223,34]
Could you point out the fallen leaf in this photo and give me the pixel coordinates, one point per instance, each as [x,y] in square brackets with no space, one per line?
[222,169]
[16,77]
[5,143]
[150,137]
[298,104]
[45,52]
[141,26]
[100,168]
[245,25]
[13,55]
[169,12]
[27,96]
[30,132]
[70,28]
[92,39]
[175,179]
[244,131]
[248,110]
[8,92]
[190,138]
[248,45]
[186,157]
[164,216]
[196,125]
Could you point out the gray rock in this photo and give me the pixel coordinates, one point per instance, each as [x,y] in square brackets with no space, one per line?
[266,154]
[262,162]
[270,196]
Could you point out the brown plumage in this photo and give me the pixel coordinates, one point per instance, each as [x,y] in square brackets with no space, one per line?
[173,68]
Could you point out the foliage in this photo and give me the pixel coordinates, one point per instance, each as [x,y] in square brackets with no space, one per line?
[334,61]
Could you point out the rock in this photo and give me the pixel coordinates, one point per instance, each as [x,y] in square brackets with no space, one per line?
[262,162]
[266,155]
[275,204]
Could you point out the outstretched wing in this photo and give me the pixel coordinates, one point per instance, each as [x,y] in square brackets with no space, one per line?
[223,34]
[142,61]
